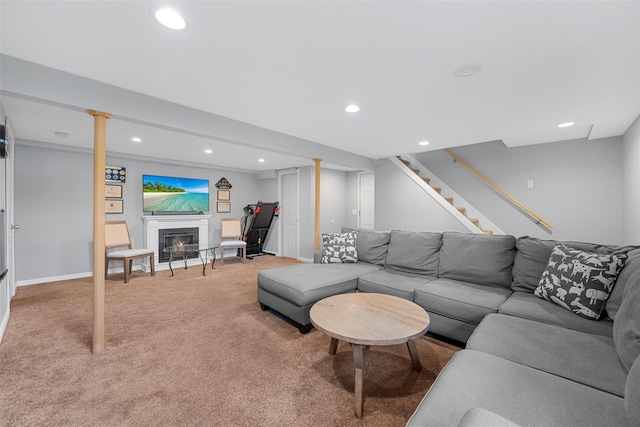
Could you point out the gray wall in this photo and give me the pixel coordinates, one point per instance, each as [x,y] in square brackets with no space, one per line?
[631,185]
[402,204]
[578,186]
[54,205]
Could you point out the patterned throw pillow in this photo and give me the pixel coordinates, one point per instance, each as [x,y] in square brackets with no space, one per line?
[339,248]
[580,281]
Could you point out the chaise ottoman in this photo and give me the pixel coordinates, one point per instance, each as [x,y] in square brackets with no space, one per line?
[292,290]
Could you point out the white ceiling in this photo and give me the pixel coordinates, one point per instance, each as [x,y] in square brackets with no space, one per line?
[292,67]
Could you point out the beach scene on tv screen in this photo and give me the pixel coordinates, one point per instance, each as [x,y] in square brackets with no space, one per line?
[172,194]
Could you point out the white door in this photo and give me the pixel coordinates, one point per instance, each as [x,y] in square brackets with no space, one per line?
[366,201]
[289,215]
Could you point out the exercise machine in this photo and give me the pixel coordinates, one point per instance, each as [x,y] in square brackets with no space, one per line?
[257,223]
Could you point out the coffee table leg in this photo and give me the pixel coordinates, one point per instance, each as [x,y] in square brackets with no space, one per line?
[359,353]
[333,346]
[413,352]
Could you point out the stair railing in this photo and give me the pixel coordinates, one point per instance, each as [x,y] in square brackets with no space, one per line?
[508,196]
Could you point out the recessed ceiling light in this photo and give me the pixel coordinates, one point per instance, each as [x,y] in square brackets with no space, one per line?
[208,151]
[170,19]
[566,124]
[261,160]
[136,139]
[61,134]
[423,143]
[467,70]
[353,108]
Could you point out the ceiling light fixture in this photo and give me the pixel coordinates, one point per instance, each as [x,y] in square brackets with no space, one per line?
[423,143]
[61,134]
[566,124]
[136,139]
[261,160]
[170,19]
[353,108]
[467,70]
[208,151]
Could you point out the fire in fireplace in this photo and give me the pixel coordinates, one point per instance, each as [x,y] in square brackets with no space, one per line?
[174,237]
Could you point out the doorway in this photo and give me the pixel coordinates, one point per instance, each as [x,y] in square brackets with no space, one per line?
[366,200]
[289,183]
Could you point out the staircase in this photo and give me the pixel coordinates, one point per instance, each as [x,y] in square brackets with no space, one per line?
[446,197]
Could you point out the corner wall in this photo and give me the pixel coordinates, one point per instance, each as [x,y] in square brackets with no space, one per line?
[631,184]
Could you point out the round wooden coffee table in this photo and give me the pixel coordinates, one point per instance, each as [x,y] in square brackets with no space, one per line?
[366,319]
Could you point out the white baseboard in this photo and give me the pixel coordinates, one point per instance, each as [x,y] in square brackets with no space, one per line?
[53,279]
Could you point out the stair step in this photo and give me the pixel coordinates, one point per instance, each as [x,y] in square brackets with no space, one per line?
[406,162]
[475,221]
[437,189]
[463,211]
[448,199]
[427,180]
[489,232]
[414,170]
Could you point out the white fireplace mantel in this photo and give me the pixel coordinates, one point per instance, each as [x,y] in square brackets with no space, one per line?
[153,223]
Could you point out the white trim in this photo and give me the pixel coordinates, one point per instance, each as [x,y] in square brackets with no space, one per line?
[3,324]
[54,279]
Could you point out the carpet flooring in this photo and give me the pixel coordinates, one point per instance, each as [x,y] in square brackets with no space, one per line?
[190,350]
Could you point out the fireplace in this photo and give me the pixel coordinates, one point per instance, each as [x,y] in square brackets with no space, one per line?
[176,236]
[154,223]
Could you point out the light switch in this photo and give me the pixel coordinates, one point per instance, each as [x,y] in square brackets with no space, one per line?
[354,212]
[531,184]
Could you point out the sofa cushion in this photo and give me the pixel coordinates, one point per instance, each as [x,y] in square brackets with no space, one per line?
[529,306]
[304,284]
[579,281]
[478,417]
[630,266]
[392,282]
[373,246]
[532,256]
[477,258]
[414,252]
[585,358]
[626,327]
[464,301]
[339,248]
[524,395]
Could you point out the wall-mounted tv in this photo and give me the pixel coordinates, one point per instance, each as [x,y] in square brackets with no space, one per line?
[173,194]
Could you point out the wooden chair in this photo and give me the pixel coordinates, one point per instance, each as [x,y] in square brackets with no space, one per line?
[117,236]
[231,238]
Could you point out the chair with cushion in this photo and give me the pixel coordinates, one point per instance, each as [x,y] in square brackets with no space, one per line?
[117,236]
[231,238]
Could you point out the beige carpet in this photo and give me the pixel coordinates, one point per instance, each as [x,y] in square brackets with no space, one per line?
[191,350]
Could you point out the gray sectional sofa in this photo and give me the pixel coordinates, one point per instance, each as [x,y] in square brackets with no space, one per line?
[528,361]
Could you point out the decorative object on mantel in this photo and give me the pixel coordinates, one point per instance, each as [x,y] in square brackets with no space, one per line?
[113,191]
[224,195]
[223,207]
[116,174]
[114,206]
[223,184]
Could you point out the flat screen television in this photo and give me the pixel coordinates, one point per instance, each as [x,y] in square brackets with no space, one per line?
[173,194]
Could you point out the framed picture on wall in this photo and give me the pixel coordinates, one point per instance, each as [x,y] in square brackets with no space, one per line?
[223,207]
[114,207]
[113,191]
[224,195]
[116,174]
